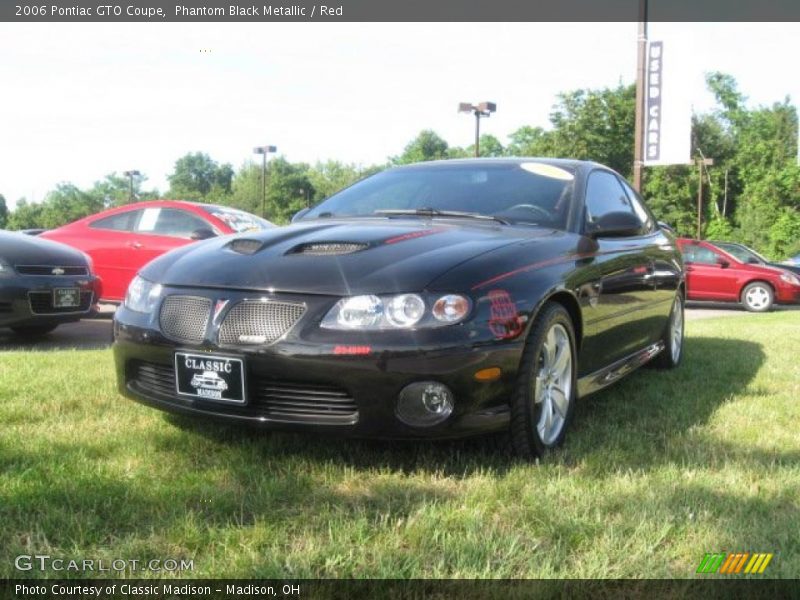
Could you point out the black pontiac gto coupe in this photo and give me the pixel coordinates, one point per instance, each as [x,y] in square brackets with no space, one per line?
[433,300]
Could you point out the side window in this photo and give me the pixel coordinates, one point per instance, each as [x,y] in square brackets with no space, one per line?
[604,195]
[645,216]
[123,221]
[699,254]
[170,222]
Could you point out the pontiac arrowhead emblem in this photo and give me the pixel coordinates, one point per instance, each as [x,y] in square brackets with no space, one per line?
[219,307]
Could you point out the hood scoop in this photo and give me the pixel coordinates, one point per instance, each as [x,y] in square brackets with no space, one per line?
[245,246]
[328,248]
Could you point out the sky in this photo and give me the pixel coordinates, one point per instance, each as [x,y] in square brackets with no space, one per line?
[82,100]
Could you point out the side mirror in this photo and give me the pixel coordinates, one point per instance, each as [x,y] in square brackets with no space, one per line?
[752,260]
[203,233]
[666,227]
[723,264]
[300,214]
[616,224]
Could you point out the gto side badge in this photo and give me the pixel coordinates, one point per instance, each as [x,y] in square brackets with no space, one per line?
[504,319]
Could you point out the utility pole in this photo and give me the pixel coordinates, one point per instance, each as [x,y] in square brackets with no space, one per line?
[264,150]
[130,175]
[701,162]
[641,66]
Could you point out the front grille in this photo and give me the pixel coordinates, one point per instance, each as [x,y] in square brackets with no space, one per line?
[185,318]
[154,379]
[259,322]
[6,307]
[48,270]
[42,304]
[304,402]
[285,401]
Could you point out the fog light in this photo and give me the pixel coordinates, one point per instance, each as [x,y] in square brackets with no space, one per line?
[424,403]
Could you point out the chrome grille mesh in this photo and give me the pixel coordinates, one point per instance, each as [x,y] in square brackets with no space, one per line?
[185,318]
[259,322]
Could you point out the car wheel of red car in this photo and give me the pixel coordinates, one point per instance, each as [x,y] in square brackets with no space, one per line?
[670,357]
[757,296]
[544,398]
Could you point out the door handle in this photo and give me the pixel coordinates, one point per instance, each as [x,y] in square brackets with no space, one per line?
[135,245]
[689,269]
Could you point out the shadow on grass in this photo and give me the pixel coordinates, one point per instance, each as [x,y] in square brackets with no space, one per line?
[637,423]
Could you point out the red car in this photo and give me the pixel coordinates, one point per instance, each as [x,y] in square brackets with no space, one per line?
[714,274]
[122,240]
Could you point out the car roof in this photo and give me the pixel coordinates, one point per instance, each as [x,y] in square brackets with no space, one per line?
[570,163]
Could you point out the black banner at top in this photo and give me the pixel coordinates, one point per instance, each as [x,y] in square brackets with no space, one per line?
[396,10]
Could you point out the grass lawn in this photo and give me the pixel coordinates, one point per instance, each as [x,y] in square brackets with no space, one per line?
[657,470]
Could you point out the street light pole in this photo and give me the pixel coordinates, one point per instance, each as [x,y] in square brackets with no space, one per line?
[130,175]
[264,150]
[641,60]
[484,109]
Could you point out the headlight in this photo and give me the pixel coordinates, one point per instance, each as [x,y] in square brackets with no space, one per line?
[5,268]
[790,278]
[142,295]
[401,311]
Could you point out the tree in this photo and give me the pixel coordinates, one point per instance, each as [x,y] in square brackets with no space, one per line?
[26,216]
[197,177]
[329,177]
[3,212]
[288,189]
[426,146]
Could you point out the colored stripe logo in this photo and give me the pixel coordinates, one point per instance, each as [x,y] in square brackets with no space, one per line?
[734,563]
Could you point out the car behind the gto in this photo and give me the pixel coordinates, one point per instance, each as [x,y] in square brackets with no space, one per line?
[43,284]
[434,300]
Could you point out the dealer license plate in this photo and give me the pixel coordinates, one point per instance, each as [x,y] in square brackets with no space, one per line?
[66,297]
[217,378]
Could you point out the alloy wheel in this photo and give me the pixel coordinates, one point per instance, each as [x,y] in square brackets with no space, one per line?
[553,383]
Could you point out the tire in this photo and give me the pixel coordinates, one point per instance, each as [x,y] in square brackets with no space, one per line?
[670,357]
[33,330]
[546,382]
[757,296]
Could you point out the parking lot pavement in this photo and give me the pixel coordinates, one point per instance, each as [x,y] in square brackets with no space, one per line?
[87,334]
[708,310]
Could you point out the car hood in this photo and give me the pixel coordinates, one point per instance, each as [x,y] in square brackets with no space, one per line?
[336,257]
[20,249]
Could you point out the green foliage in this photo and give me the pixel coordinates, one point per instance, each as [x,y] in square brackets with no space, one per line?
[3,212]
[784,234]
[288,189]
[595,125]
[329,177]
[719,229]
[197,177]
[26,216]
[670,193]
[426,146]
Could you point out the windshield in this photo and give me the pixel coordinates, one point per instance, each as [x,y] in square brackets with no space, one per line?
[238,220]
[741,253]
[533,193]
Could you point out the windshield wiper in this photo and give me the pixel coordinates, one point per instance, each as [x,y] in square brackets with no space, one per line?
[434,212]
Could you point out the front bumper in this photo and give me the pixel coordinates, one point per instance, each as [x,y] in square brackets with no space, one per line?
[787,294]
[27,300]
[292,384]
